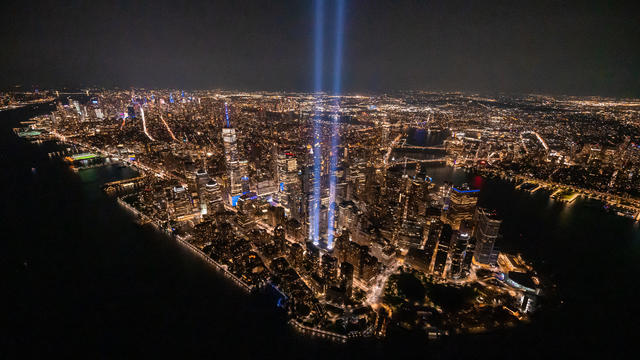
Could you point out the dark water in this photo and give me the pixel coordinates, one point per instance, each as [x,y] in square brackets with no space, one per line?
[422,137]
[96,284]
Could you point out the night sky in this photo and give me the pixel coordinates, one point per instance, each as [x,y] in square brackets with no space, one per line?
[580,47]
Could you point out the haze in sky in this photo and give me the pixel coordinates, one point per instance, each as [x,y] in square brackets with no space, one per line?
[573,47]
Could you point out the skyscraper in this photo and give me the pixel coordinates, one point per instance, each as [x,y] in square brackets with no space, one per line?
[486,233]
[330,269]
[440,256]
[431,237]
[346,274]
[458,254]
[236,168]
[461,207]
[212,195]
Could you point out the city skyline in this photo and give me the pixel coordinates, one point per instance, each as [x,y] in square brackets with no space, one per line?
[330,179]
[357,233]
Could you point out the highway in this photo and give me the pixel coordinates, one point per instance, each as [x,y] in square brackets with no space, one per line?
[144,124]
[391,146]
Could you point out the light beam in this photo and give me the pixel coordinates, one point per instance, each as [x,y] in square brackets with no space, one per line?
[314,211]
[335,124]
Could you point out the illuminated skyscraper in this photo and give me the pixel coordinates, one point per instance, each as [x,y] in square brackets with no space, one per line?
[486,233]
[287,169]
[458,255]
[431,234]
[462,206]
[211,196]
[288,182]
[236,169]
[439,260]
[330,268]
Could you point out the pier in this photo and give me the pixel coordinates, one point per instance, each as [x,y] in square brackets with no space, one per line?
[318,332]
[123,185]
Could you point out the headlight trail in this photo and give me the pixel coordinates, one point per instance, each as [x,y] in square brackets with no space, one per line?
[144,124]
[314,204]
[335,124]
[168,128]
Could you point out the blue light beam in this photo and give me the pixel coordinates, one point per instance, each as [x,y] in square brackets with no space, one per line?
[314,211]
[335,124]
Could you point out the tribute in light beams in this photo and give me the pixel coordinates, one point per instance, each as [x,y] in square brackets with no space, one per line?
[335,124]
[314,204]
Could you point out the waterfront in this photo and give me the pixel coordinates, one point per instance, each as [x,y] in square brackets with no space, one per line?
[135,288]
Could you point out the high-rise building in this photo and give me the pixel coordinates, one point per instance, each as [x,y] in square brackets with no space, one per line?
[287,183]
[329,269]
[210,195]
[280,240]
[370,268]
[462,205]
[365,266]
[296,255]
[346,275]
[486,232]
[287,169]
[237,169]
[201,177]
[458,255]
[441,254]
[432,231]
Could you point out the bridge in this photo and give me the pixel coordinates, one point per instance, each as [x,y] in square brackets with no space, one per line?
[390,149]
[403,145]
[417,147]
[406,160]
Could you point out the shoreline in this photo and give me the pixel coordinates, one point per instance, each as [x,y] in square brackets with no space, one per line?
[248,288]
[188,245]
[605,198]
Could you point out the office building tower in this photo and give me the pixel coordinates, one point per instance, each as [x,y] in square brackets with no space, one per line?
[287,169]
[280,240]
[462,203]
[486,232]
[296,255]
[458,255]
[329,267]
[202,178]
[237,170]
[431,237]
[441,254]
[346,276]
[365,266]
